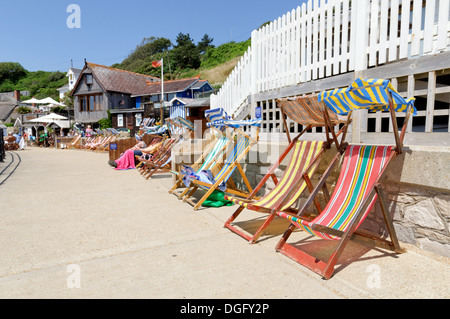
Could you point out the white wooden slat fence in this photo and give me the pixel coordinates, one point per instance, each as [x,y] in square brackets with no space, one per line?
[324,38]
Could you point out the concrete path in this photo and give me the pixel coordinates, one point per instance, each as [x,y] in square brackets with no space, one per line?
[73,227]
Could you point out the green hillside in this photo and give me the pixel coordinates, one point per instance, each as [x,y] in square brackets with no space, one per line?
[41,84]
[181,60]
[184,59]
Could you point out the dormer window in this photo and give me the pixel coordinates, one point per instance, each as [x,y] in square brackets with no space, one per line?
[88,79]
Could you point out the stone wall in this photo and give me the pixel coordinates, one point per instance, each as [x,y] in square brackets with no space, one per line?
[416,185]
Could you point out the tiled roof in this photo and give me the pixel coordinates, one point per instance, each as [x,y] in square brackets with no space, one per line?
[171,86]
[7,106]
[116,80]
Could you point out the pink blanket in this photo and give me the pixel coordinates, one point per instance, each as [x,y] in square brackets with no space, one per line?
[126,161]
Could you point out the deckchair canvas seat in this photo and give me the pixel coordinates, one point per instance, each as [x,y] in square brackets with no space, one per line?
[234,155]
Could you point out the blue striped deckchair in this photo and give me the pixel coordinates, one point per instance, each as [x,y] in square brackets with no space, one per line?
[186,123]
[237,152]
[212,151]
[216,114]
[358,186]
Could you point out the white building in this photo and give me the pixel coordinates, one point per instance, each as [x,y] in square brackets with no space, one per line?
[73,75]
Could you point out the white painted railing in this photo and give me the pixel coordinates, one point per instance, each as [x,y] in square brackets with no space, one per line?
[330,37]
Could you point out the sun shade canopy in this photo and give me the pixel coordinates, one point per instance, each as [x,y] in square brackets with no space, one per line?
[216,114]
[371,94]
[234,123]
[307,110]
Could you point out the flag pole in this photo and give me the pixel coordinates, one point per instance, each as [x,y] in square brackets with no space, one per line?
[162,92]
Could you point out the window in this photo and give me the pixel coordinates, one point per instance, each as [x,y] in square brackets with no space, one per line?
[88,79]
[138,119]
[83,103]
[90,103]
[120,120]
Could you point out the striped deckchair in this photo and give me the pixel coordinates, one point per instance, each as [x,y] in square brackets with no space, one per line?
[305,159]
[237,151]
[74,142]
[357,189]
[180,132]
[160,156]
[212,151]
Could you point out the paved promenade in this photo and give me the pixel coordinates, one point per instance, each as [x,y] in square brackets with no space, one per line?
[73,227]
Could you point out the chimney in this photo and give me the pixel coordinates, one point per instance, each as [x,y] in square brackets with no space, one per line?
[17,95]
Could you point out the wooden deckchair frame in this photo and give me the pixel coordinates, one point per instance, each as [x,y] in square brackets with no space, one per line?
[199,164]
[74,142]
[331,137]
[236,164]
[158,153]
[159,162]
[326,268]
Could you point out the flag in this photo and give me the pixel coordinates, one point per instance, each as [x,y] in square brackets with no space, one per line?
[155,64]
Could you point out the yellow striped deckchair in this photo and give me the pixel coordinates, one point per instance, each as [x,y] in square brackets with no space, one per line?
[358,186]
[305,159]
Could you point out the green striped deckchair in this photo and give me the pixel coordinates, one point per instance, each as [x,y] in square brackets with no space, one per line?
[212,151]
[222,173]
[238,151]
[358,186]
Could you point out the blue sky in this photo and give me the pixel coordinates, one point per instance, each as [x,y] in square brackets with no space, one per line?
[35,33]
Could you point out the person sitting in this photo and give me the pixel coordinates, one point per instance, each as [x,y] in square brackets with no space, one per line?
[127,159]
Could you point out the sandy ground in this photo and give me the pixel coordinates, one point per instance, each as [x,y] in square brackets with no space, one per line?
[73,227]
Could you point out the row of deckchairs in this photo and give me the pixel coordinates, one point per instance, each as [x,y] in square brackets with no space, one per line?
[160,160]
[99,143]
[357,188]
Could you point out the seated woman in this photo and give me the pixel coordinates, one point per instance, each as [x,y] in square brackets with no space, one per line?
[126,160]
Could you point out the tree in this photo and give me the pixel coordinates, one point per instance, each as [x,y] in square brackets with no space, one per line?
[23,110]
[68,99]
[12,71]
[186,54]
[205,44]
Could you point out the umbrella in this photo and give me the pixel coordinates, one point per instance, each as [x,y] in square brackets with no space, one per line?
[53,117]
[49,100]
[49,118]
[33,100]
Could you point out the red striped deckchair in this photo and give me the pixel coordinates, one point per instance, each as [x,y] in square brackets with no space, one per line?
[353,198]
[305,159]
[358,186]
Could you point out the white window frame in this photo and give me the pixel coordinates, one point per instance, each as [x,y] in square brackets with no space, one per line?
[119,120]
[138,117]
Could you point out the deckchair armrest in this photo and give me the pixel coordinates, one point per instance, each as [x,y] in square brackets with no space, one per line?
[328,230]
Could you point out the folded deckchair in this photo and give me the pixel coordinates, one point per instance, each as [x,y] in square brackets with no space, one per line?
[237,151]
[358,186]
[305,159]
